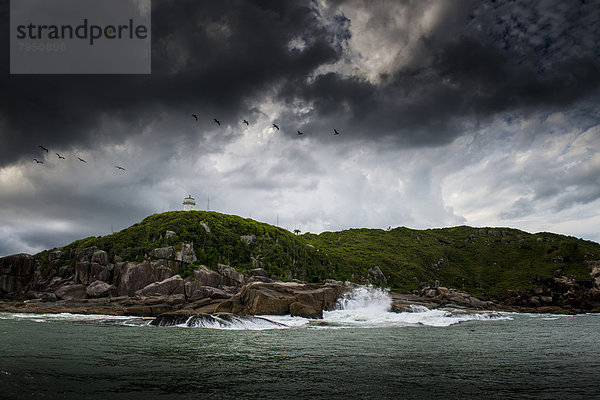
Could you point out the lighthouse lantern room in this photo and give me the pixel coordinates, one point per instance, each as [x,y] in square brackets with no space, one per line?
[189,203]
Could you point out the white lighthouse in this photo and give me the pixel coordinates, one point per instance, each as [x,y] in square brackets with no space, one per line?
[189,203]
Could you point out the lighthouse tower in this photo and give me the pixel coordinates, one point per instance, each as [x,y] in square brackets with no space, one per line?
[189,203]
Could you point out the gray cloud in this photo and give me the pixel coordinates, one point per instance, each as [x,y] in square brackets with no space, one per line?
[518,209]
[214,59]
[432,99]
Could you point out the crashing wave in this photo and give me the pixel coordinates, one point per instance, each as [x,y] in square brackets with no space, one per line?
[218,321]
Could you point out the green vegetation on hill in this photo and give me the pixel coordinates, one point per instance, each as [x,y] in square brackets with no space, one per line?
[278,251]
[486,262]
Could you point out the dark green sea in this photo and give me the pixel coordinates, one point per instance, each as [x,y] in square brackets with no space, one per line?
[360,352]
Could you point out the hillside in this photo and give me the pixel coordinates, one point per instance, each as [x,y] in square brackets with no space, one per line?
[486,262]
[217,238]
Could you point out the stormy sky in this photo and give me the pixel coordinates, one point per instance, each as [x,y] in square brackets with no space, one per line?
[479,113]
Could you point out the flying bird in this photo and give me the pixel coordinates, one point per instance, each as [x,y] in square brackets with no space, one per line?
[217,121]
[117,167]
[300,133]
[37,161]
[276,127]
[43,148]
[246,122]
[60,157]
[195,117]
[82,160]
[336,132]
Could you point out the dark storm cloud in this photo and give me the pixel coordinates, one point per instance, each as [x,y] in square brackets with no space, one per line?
[464,76]
[214,58]
[208,58]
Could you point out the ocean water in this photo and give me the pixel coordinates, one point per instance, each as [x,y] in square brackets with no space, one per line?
[359,351]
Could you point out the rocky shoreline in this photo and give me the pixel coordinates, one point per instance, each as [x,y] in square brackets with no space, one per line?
[276,298]
[87,283]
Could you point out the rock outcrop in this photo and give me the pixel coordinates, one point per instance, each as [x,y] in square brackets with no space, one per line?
[376,276]
[298,309]
[131,277]
[186,255]
[445,296]
[248,239]
[92,264]
[258,298]
[54,255]
[203,292]
[16,273]
[559,292]
[205,226]
[162,252]
[100,289]
[221,284]
[203,276]
[167,287]
[232,277]
[71,292]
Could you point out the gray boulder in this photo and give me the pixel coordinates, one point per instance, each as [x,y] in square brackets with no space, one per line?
[100,289]
[100,257]
[170,234]
[298,309]
[132,277]
[275,298]
[167,287]
[248,239]
[99,272]
[16,272]
[459,299]
[196,293]
[259,279]
[47,297]
[54,255]
[232,277]
[205,226]
[71,292]
[82,272]
[65,271]
[204,276]
[476,303]
[258,272]
[203,279]
[163,252]
[87,272]
[595,273]
[186,255]
[86,254]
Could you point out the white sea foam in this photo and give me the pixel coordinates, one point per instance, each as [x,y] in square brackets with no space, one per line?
[99,318]
[234,323]
[368,307]
[366,299]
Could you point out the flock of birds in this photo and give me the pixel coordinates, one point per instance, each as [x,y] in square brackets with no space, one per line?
[335,132]
[63,158]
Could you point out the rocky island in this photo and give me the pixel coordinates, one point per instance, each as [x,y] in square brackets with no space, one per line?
[180,264]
